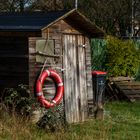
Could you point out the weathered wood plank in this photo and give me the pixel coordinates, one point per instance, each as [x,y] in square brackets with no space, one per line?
[131,92]
[134,83]
[76,89]
[71,86]
[88,70]
[47,55]
[124,87]
[82,78]
[120,79]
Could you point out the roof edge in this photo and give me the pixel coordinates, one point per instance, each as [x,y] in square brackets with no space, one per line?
[60,18]
[92,23]
[83,16]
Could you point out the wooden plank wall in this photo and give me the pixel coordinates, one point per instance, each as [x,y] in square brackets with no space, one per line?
[32,63]
[82,77]
[70,79]
[36,68]
[56,33]
[88,70]
[13,61]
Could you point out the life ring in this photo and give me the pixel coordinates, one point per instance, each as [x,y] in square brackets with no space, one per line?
[59,89]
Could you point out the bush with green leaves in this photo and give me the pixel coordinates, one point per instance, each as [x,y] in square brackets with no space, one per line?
[19,100]
[122,58]
[53,119]
[98,52]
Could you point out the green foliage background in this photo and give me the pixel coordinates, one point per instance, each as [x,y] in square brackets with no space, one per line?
[98,54]
[117,57]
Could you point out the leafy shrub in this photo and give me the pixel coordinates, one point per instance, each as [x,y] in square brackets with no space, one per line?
[122,57]
[19,100]
[53,119]
[98,51]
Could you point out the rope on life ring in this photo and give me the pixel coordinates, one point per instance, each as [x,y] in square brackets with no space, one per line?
[59,88]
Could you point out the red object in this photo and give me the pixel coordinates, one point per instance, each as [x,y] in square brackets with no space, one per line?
[94,73]
[59,89]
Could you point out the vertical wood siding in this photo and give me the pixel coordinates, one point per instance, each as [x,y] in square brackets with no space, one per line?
[33,70]
[72,96]
[75,60]
[82,77]
[88,70]
[75,78]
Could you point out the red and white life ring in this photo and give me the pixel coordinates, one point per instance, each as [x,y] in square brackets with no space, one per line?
[59,88]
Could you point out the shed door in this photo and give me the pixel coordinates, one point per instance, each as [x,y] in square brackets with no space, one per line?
[75,78]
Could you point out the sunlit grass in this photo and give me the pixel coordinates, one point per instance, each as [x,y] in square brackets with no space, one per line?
[121,122]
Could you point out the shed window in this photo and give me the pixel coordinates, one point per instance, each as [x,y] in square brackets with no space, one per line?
[44,48]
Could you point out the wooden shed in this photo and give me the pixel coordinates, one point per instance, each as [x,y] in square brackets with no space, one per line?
[61,39]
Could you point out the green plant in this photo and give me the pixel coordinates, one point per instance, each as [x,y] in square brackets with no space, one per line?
[53,119]
[122,57]
[122,122]
[98,52]
[19,100]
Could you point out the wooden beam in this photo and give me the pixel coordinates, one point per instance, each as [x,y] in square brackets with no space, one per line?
[46,55]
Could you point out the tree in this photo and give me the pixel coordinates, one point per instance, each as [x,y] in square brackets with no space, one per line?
[14,5]
[116,17]
[109,15]
[47,5]
[122,57]
[136,16]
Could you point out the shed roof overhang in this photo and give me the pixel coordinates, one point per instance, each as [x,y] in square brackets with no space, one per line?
[37,21]
[80,22]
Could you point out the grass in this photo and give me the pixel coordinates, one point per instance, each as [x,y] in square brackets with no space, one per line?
[122,122]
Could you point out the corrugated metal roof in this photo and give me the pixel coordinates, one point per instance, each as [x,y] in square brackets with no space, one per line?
[28,21]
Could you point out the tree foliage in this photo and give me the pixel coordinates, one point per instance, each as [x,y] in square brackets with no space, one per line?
[98,53]
[114,16]
[14,5]
[122,57]
[47,5]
